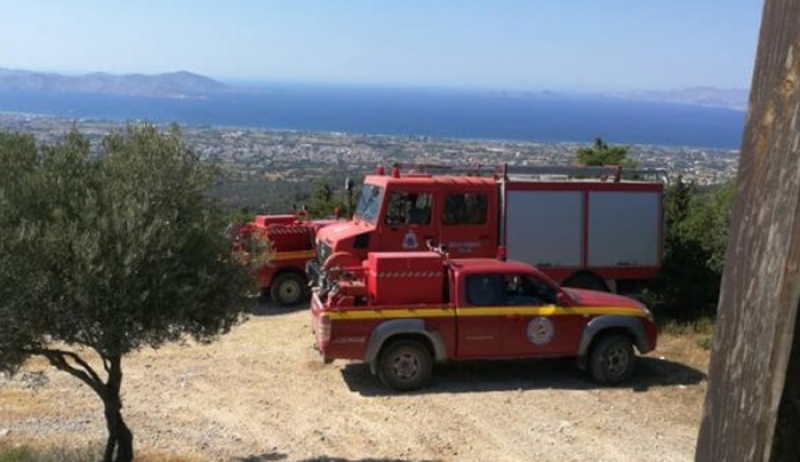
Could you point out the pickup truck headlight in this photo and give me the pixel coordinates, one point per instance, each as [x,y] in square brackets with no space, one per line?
[648,314]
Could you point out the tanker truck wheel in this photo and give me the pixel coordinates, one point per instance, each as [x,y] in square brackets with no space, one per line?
[288,289]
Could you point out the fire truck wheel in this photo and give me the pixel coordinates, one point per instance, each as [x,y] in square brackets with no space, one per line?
[405,365]
[612,359]
[288,289]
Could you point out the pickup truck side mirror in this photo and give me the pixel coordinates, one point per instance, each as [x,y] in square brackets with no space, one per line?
[563,299]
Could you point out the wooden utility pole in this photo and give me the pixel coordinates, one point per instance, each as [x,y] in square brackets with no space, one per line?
[752,408]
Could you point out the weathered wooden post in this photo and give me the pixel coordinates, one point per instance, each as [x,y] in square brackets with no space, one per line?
[752,408]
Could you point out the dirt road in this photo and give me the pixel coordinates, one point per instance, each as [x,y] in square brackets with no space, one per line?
[262,394]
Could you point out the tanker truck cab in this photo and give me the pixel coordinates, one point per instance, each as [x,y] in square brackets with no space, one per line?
[408,212]
[401,312]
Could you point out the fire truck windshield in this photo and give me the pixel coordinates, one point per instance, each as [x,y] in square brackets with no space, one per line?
[369,202]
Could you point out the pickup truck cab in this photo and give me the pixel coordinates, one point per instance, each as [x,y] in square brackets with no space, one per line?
[401,312]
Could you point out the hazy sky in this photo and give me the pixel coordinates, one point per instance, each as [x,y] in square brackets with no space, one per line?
[555,44]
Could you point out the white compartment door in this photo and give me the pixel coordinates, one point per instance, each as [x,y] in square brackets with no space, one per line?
[544,227]
[624,229]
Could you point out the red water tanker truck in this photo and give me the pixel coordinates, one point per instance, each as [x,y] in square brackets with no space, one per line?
[289,241]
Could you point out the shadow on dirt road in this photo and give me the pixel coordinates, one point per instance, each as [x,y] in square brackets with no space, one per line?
[469,377]
[265,307]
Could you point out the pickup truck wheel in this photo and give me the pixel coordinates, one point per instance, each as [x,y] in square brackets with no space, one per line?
[288,289]
[612,360]
[405,365]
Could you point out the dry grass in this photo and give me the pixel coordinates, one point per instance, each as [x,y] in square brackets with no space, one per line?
[686,349]
[263,390]
[17,404]
[33,452]
[161,457]
[701,330]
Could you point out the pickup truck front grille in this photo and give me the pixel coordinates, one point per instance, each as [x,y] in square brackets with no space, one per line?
[314,267]
[323,252]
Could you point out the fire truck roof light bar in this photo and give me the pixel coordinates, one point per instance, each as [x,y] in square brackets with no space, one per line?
[614,172]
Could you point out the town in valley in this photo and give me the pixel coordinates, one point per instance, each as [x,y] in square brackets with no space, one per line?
[269,171]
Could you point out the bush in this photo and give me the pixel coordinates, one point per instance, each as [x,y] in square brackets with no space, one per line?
[696,222]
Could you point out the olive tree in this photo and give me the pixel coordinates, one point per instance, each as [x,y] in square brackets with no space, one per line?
[106,252]
[601,153]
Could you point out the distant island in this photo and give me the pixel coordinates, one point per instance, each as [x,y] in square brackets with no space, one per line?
[700,117]
[728,98]
[184,84]
[174,84]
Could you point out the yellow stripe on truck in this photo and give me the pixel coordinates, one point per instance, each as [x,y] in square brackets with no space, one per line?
[548,310]
[298,255]
[484,311]
[440,312]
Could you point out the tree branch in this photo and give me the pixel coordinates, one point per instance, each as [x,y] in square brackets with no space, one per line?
[59,359]
[106,361]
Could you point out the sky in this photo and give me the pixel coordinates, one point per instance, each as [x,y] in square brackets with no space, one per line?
[561,45]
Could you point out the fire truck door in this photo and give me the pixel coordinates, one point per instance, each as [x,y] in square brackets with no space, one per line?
[539,327]
[466,229]
[408,223]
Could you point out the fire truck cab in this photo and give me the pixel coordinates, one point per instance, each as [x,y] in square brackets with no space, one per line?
[586,227]
[402,311]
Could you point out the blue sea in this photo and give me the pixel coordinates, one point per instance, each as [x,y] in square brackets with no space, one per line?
[438,113]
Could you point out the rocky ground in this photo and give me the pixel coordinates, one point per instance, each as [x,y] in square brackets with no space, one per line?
[262,394]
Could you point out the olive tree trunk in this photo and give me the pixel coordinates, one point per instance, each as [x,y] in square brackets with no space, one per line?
[120,438]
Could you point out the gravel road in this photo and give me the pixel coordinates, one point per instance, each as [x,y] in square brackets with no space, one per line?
[262,394]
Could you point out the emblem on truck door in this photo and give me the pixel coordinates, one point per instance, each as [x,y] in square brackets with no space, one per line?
[410,240]
[540,331]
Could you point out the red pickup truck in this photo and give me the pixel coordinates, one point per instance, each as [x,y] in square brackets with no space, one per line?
[402,311]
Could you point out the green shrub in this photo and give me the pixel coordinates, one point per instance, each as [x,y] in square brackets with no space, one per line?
[703,325]
[696,225]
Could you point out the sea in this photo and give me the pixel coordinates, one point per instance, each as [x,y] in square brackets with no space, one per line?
[415,112]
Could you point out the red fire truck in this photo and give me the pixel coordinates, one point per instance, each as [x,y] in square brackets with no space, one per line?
[590,227]
[402,311]
[289,242]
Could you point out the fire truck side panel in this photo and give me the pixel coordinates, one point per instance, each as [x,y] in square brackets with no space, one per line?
[624,229]
[622,236]
[544,228]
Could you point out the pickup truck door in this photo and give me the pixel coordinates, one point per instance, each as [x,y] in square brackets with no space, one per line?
[539,327]
[481,319]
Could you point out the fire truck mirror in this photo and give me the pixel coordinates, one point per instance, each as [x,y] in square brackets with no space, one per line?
[562,299]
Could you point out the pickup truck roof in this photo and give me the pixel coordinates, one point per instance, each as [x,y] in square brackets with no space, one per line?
[491,265]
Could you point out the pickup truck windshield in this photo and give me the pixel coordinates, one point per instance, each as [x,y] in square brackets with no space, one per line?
[369,202]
